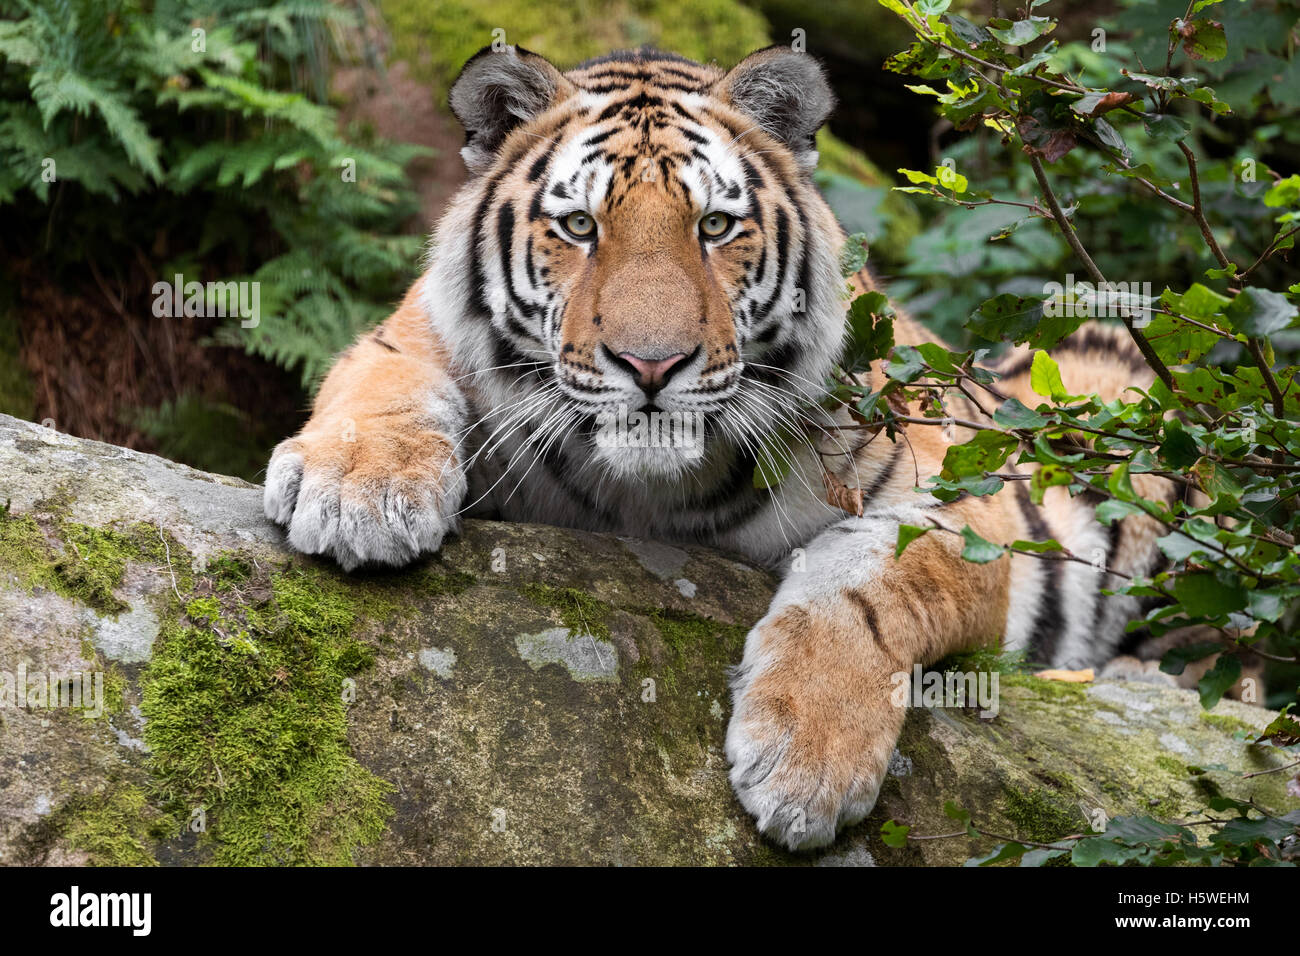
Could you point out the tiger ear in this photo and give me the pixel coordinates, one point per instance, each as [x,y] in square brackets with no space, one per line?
[785,92]
[498,89]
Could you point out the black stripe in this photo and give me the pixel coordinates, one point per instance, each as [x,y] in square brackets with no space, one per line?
[1045,635]
[803,282]
[882,477]
[1113,535]
[782,260]
[868,616]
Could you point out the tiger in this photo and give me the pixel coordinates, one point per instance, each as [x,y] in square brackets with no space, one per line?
[642,235]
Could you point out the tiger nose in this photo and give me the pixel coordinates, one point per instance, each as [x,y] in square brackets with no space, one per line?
[651,374]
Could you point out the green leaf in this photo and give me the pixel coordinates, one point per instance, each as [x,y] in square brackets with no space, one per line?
[916,176]
[1198,302]
[999,854]
[1112,510]
[1165,127]
[977,550]
[1218,679]
[1284,192]
[940,359]
[1177,342]
[1202,39]
[1241,830]
[1039,855]
[906,364]
[1260,312]
[853,254]
[1179,449]
[951,179]
[1014,414]
[1120,485]
[870,333]
[907,533]
[933,8]
[1180,547]
[894,834]
[1021,319]
[1202,594]
[1045,379]
[1217,481]
[1021,31]
[986,451]
[1200,385]
[968,32]
[1207,97]
[954,812]
[1038,547]
[1048,476]
[1128,839]
[1176,659]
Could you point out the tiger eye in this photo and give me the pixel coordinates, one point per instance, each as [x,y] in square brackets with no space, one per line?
[715,224]
[580,225]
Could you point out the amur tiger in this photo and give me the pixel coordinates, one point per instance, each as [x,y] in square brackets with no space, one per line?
[643,234]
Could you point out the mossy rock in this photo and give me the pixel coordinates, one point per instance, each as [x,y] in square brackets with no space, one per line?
[530,695]
[437,36]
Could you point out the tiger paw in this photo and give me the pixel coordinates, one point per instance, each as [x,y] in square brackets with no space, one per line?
[381,493]
[811,732]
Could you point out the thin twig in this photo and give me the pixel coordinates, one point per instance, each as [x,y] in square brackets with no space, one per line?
[1067,230]
[1198,211]
[1260,773]
[168,552]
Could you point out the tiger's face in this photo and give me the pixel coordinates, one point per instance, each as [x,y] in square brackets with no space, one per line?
[649,239]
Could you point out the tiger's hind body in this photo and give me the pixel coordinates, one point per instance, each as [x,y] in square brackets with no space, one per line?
[642,236]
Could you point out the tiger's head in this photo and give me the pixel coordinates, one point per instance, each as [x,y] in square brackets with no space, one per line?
[643,235]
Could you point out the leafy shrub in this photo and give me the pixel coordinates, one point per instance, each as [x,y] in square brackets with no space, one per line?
[152,138]
[1109,178]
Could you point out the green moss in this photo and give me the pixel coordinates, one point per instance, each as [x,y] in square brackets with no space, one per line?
[1040,815]
[430,582]
[688,635]
[436,37]
[246,717]
[1167,763]
[991,659]
[690,677]
[115,685]
[243,700]
[1047,689]
[88,567]
[203,610]
[114,827]
[1228,724]
[687,638]
[24,552]
[81,562]
[96,565]
[580,612]
[228,571]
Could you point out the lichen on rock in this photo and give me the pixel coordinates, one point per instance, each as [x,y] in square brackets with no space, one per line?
[529,695]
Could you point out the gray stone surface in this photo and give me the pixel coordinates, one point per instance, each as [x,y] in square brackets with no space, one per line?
[566,705]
